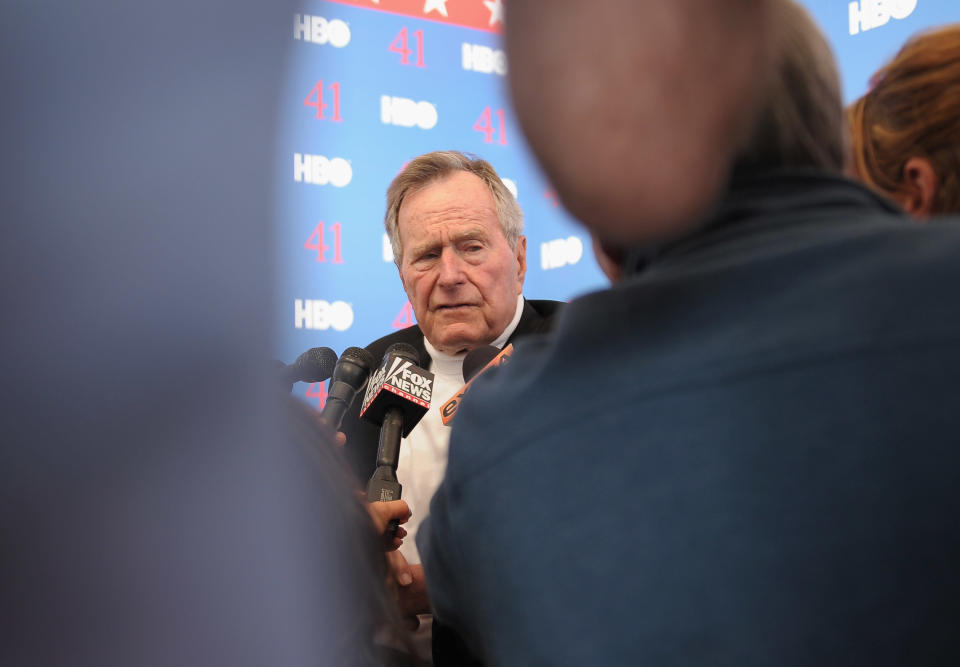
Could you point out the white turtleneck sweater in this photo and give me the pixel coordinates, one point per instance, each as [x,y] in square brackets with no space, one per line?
[423,453]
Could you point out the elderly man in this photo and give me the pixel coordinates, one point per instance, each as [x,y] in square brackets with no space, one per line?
[457,236]
[745,452]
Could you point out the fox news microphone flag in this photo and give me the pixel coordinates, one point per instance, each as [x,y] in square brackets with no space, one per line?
[398,395]
[398,383]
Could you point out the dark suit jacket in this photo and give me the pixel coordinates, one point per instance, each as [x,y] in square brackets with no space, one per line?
[363,437]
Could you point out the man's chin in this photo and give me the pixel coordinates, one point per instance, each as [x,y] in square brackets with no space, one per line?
[452,341]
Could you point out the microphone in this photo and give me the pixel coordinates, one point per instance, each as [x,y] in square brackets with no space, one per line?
[314,365]
[397,397]
[350,373]
[477,359]
[477,362]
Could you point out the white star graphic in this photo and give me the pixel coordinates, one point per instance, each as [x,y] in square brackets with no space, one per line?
[496,10]
[439,5]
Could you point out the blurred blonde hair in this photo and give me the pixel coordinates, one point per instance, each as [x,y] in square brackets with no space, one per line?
[912,110]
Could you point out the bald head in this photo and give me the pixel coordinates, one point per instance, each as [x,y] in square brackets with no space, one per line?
[635,108]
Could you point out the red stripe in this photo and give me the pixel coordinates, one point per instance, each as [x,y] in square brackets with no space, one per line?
[400,392]
[462,13]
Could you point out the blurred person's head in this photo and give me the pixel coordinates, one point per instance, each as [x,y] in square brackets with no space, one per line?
[906,129]
[635,109]
[800,121]
[609,258]
[457,241]
[158,515]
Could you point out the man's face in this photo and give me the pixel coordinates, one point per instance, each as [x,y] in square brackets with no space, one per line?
[457,268]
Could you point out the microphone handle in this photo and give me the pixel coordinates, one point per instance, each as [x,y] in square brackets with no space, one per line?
[339,398]
[383,485]
[388,451]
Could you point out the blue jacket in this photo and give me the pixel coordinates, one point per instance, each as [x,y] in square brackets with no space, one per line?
[746,453]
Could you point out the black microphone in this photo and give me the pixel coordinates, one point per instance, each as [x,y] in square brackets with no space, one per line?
[397,397]
[350,373]
[476,362]
[314,365]
[477,359]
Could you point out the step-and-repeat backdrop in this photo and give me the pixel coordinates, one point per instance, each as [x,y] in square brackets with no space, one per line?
[373,83]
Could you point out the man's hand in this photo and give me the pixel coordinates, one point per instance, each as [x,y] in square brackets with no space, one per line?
[409,586]
[382,513]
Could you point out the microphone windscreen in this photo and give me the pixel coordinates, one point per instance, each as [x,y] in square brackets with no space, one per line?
[354,367]
[476,359]
[406,352]
[349,375]
[314,365]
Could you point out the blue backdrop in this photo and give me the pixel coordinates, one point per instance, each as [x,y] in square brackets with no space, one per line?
[373,83]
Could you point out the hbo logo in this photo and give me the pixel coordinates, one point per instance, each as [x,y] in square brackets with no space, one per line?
[560,252]
[322,315]
[869,14]
[407,113]
[319,30]
[477,58]
[319,170]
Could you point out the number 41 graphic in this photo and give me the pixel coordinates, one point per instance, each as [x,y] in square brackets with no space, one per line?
[399,45]
[404,318]
[485,124]
[318,391]
[315,99]
[315,242]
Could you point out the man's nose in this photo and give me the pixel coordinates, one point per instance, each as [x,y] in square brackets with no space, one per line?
[451,268]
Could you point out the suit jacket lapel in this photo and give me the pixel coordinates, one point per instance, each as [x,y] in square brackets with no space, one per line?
[530,322]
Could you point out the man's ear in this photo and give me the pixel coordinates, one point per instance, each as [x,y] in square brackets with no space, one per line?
[521,255]
[919,189]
